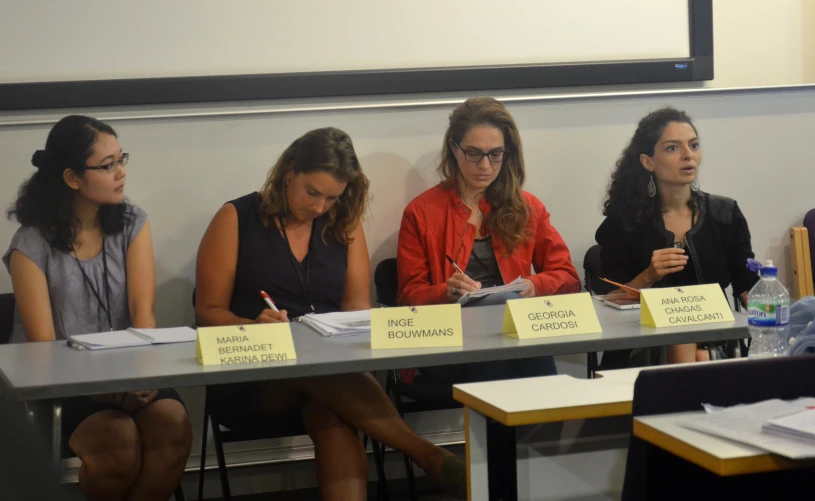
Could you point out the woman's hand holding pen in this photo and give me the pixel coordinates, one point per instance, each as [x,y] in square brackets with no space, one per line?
[459,284]
[270,316]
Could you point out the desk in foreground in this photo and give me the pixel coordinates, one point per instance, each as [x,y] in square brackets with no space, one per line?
[518,402]
[718,455]
[490,445]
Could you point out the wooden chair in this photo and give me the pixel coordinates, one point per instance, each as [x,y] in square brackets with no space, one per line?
[800,257]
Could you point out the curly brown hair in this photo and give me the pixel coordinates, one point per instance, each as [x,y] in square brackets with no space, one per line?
[627,191]
[510,215]
[320,150]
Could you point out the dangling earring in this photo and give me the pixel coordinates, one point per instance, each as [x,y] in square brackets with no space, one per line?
[695,184]
[652,187]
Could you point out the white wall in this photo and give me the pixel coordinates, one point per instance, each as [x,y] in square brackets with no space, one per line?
[755,149]
[760,43]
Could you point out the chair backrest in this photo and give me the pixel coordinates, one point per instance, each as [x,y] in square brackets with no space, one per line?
[682,389]
[386,281]
[592,267]
[809,224]
[6,317]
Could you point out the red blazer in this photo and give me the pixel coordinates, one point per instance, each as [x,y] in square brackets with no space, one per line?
[435,224]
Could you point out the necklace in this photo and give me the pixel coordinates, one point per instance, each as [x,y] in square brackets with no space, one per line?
[478,213]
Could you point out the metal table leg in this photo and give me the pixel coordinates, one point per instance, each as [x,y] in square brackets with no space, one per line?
[502,462]
[475,428]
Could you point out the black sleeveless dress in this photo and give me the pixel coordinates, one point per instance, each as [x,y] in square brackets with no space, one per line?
[265,262]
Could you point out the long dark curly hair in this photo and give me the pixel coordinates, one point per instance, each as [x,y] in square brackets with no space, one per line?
[628,190]
[44,201]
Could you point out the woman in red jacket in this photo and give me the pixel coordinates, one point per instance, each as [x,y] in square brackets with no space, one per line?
[480,217]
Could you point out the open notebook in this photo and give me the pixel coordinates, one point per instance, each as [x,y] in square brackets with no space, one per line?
[131,337]
[516,285]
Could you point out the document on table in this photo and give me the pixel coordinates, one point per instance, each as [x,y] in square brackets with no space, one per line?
[131,337]
[341,323]
[798,426]
[516,285]
[743,423]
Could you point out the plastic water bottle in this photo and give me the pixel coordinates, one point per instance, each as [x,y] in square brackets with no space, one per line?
[768,312]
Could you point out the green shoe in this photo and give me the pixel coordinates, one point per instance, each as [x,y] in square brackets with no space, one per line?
[454,477]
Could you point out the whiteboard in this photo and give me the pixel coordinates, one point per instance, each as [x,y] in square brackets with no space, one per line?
[47,41]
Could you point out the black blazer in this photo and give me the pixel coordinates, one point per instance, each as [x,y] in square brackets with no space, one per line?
[719,246]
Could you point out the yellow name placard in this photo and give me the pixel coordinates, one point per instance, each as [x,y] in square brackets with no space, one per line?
[243,344]
[550,316]
[436,326]
[692,305]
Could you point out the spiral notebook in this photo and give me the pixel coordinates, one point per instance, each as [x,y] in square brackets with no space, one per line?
[131,337]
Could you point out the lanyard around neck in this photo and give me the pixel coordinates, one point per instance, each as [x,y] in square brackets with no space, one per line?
[106,305]
[304,281]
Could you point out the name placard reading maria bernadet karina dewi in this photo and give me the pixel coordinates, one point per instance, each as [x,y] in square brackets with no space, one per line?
[245,344]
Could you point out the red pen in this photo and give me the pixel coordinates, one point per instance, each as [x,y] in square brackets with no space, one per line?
[269,301]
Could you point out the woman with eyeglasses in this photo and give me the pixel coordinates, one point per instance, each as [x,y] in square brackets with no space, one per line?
[661,230]
[300,240]
[82,262]
[480,218]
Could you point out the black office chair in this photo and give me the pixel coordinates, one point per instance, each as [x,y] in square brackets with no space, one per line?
[418,395]
[6,317]
[652,473]
[228,428]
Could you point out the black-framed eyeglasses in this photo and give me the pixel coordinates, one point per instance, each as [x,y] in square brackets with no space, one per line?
[112,166]
[475,156]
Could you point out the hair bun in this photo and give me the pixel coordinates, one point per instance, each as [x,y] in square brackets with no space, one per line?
[43,159]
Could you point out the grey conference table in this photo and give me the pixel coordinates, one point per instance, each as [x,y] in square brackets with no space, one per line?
[38,373]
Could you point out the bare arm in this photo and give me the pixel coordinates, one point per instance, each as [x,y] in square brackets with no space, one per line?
[32,298]
[215,274]
[141,279]
[357,293]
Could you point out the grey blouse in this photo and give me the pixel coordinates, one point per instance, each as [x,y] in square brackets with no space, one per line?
[74,306]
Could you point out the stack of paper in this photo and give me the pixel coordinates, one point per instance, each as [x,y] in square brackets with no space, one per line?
[343,323]
[131,337]
[798,426]
[744,423]
[516,285]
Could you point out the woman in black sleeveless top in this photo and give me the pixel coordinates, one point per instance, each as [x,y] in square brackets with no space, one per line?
[300,240]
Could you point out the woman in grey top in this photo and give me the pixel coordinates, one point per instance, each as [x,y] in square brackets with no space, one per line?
[82,262]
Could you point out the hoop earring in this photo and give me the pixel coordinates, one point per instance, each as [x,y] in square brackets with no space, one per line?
[695,185]
[652,187]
